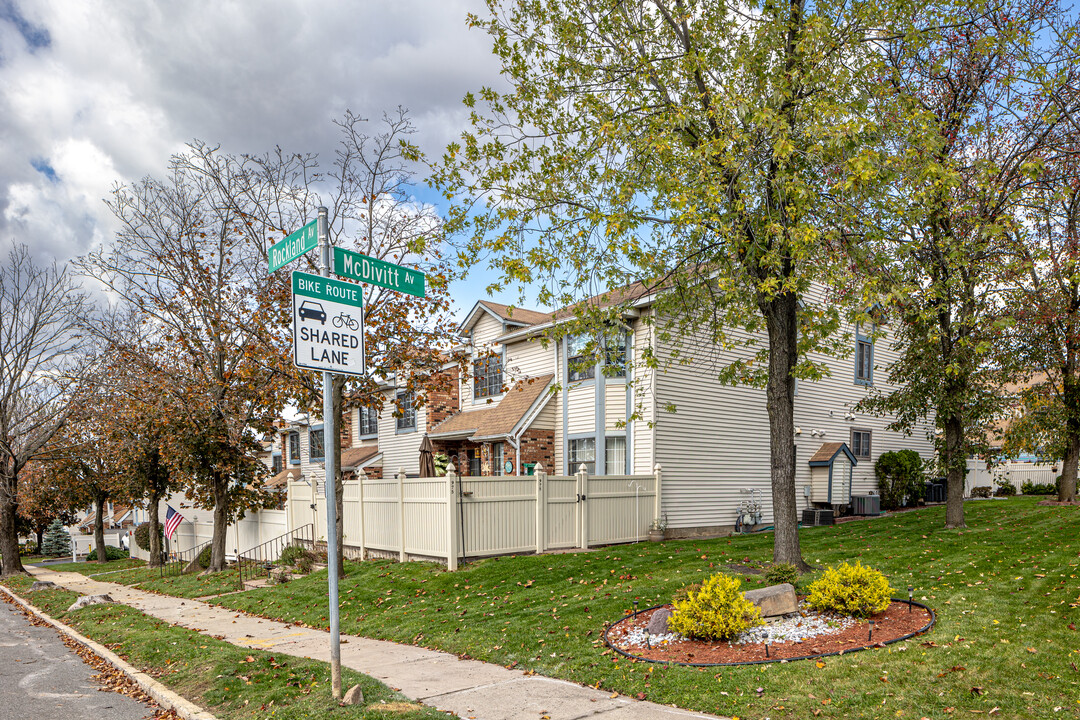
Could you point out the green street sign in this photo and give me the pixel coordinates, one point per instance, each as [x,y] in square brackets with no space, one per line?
[328,324]
[292,247]
[378,272]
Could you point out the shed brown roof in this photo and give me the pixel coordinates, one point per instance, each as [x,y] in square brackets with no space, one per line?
[826,451]
[516,314]
[497,419]
[282,478]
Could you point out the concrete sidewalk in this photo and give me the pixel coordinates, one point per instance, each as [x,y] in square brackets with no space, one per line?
[470,688]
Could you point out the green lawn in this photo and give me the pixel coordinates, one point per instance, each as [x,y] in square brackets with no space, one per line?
[1004,591]
[138,574]
[231,682]
[95,568]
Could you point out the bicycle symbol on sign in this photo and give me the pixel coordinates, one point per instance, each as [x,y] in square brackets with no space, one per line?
[346,320]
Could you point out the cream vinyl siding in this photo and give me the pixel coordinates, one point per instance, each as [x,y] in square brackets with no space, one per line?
[400,450]
[615,408]
[545,420]
[581,409]
[484,332]
[527,359]
[714,445]
[642,402]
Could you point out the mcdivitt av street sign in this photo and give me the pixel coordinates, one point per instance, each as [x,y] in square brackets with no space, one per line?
[292,247]
[328,324]
[378,272]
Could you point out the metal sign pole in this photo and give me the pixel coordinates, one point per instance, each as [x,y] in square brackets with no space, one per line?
[329,449]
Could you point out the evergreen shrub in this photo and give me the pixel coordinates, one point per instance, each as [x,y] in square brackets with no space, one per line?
[111,553]
[782,573]
[56,541]
[856,590]
[900,478]
[718,611]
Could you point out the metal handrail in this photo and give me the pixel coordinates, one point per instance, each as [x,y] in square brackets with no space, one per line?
[177,561]
[260,559]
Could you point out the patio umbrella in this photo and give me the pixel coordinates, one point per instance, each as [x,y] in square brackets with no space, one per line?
[427,460]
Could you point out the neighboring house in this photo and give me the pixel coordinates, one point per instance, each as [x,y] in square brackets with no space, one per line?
[526,403]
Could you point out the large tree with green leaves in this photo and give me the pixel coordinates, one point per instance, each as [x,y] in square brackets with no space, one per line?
[719,152]
[971,109]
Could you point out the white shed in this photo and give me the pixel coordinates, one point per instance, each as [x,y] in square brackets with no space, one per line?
[830,475]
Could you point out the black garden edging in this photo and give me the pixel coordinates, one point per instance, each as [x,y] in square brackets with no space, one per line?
[845,651]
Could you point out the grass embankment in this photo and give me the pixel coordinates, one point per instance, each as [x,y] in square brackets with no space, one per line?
[93,567]
[1005,590]
[136,573]
[228,681]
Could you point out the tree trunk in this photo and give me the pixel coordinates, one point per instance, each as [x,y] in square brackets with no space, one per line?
[155,536]
[955,472]
[338,396]
[1071,399]
[781,320]
[9,538]
[99,528]
[221,522]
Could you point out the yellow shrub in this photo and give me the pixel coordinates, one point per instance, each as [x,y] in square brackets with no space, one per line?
[854,590]
[716,611]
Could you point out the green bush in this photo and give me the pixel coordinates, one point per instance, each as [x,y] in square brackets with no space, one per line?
[1005,489]
[900,478]
[1030,488]
[982,491]
[111,553]
[855,590]
[142,535]
[299,557]
[782,573]
[718,611]
[28,548]
[204,556]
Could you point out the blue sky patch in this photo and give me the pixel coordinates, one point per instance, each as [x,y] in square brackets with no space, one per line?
[42,166]
[36,37]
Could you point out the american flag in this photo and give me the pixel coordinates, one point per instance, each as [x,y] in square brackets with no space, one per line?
[172,520]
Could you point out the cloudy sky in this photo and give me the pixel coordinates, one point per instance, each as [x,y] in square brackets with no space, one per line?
[96,92]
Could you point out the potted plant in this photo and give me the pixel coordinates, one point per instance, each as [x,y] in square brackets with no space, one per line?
[657,528]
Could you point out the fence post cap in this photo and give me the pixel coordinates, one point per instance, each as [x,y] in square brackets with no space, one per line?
[401,471]
[539,468]
[582,469]
[657,468]
[450,469]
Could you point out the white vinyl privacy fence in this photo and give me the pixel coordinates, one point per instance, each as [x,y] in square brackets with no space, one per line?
[452,517]
[980,473]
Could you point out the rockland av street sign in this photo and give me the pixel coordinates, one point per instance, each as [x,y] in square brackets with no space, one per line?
[292,247]
[328,324]
[378,272]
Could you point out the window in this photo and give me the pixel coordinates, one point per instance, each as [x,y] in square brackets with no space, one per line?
[474,464]
[316,453]
[615,355]
[294,448]
[487,376]
[615,455]
[275,463]
[497,459]
[860,444]
[583,450]
[405,402]
[580,364]
[369,422]
[864,358]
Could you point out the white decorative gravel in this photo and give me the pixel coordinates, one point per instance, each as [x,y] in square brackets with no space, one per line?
[792,628]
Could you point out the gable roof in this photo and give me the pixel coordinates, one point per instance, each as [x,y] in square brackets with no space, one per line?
[497,420]
[282,478]
[358,457]
[504,314]
[828,451]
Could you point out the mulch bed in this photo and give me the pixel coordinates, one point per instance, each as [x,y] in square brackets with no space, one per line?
[890,625]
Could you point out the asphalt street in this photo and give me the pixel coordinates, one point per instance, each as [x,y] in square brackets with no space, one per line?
[41,679]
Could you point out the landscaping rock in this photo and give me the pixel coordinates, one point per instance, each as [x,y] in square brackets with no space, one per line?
[658,623]
[355,696]
[88,600]
[42,585]
[774,600]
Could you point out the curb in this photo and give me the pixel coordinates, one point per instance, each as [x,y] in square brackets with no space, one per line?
[162,695]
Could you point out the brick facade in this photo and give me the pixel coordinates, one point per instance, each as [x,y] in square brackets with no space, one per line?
[441,404]
[538,446]
[345,436]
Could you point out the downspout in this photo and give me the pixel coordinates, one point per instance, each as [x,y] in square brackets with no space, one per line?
[517,451]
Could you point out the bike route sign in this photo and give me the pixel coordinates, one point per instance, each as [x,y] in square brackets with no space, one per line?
[328,324]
